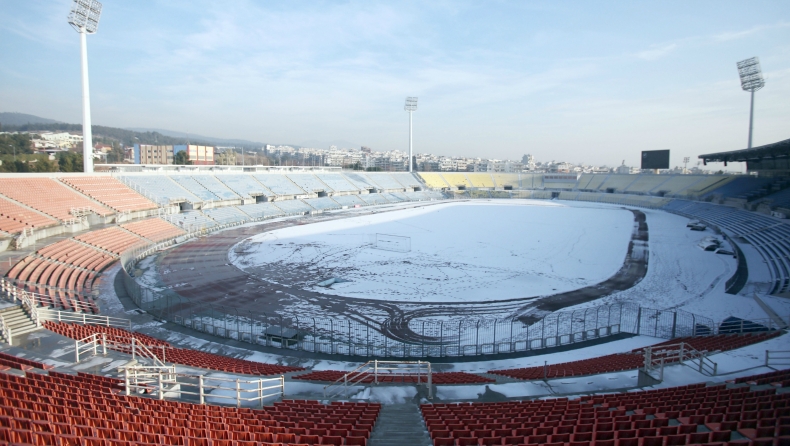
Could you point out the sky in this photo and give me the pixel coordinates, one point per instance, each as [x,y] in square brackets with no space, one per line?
[576,81]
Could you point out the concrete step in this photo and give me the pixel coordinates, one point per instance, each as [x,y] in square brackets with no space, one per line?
[17,320]
[400,424]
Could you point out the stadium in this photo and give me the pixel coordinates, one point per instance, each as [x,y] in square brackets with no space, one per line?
[234,306]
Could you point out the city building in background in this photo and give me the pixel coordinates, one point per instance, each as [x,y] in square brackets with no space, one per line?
[159,154]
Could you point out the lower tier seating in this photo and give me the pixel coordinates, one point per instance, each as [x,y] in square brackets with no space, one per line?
[634,359]
[436,378]
[8,361]
[167,353]
[82,409]
[694,414]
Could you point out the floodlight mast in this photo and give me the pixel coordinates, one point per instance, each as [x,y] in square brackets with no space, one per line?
[751,81]
[411,106]
[84,18]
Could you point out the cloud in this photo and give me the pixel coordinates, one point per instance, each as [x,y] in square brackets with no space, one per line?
[657,51]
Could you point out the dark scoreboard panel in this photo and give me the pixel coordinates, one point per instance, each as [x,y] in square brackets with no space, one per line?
[655,159]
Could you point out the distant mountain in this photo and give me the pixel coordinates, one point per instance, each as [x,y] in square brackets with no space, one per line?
[191,137]
[9,118]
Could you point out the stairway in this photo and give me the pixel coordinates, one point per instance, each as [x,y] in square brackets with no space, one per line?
[398,425]
[17,320]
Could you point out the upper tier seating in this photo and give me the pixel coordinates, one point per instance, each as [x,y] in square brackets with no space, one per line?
[618,182]
[646,183]
[384,181]
[161,188]
[707,184]
[593,181]
[216,187]
[360,180]
[693,414]
[110,192]
[245,185]
[192,358]
[62,409]
[322,203]
[531,180]
[279,184]
[778,199]
[261,210]
[680,184]
[337,182]
[633,359]
[115,240]
[436,378]
[192,221]
[348,200]
[408,180]
[779,377]
[435,180]
[292,207]
[457,180]
[227,214]
[740,186]
[50,197]
[506,179]
[193,186]
[15,218]
[154,229]
[8,361]
[309,182]
[481,179]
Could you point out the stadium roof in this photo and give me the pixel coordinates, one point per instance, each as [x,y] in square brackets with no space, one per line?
[775,150]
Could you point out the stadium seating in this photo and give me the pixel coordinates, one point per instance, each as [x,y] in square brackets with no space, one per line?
[506,179]
[322,203]
[192,221]
[244,185]
[481,180]
[436,378]
[115,240]
[160,188]
[226,215]
[395,197]
[309,183]
[373,199]
[337,182]
[740,187]
[8,361]
[50,197]
[644,184]
[166,353]
[15,218]
[110,192]
[531,180]
[216,187]
[384,181]
[593,182]
[154,229]
[261,210]
[293,207]
[279,184]
[779,378]
[82,409]
[694,414]
[349,200]
[194,187]
[360,181]
[457,180]
[435,180]
[633,359]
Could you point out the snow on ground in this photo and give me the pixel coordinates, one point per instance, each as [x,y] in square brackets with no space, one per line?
[467,251]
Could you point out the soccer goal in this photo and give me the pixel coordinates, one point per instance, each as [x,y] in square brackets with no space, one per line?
[390,242]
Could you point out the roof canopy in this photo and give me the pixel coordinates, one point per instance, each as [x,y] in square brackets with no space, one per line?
[775,150]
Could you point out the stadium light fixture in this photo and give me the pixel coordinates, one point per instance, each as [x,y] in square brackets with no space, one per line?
[84,18]
[751,81]
[411,106]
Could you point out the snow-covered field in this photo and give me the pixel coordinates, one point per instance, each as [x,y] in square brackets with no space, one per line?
[460,252]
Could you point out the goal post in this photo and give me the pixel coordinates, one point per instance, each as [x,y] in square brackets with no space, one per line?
[389,242]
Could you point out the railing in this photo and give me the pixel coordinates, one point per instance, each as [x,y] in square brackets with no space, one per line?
[11,288]
[165,381]
[90,344]
[5,330]
[752,326]
[419,369]
[83,318]
[777,358]
[658,357]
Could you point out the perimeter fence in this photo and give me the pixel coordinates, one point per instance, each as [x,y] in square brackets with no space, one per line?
[417,338]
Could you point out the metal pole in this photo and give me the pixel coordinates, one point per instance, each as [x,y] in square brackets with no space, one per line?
[410,137]
[200,390]
[751,120]
[87,137]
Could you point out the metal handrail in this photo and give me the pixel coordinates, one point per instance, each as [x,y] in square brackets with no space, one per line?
[84,318]
[6,330]
[356,376]
[783,356]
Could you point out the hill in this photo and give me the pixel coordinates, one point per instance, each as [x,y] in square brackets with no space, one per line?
[10,118]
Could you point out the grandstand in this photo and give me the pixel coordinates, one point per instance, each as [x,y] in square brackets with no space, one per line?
[43,406]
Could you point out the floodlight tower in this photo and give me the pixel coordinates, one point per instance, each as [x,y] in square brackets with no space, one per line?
[751,81]
[411,106]
[84,18]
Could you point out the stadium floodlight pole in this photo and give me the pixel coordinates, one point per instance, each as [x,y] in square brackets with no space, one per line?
[84,18]
[411,106]
[751,81]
